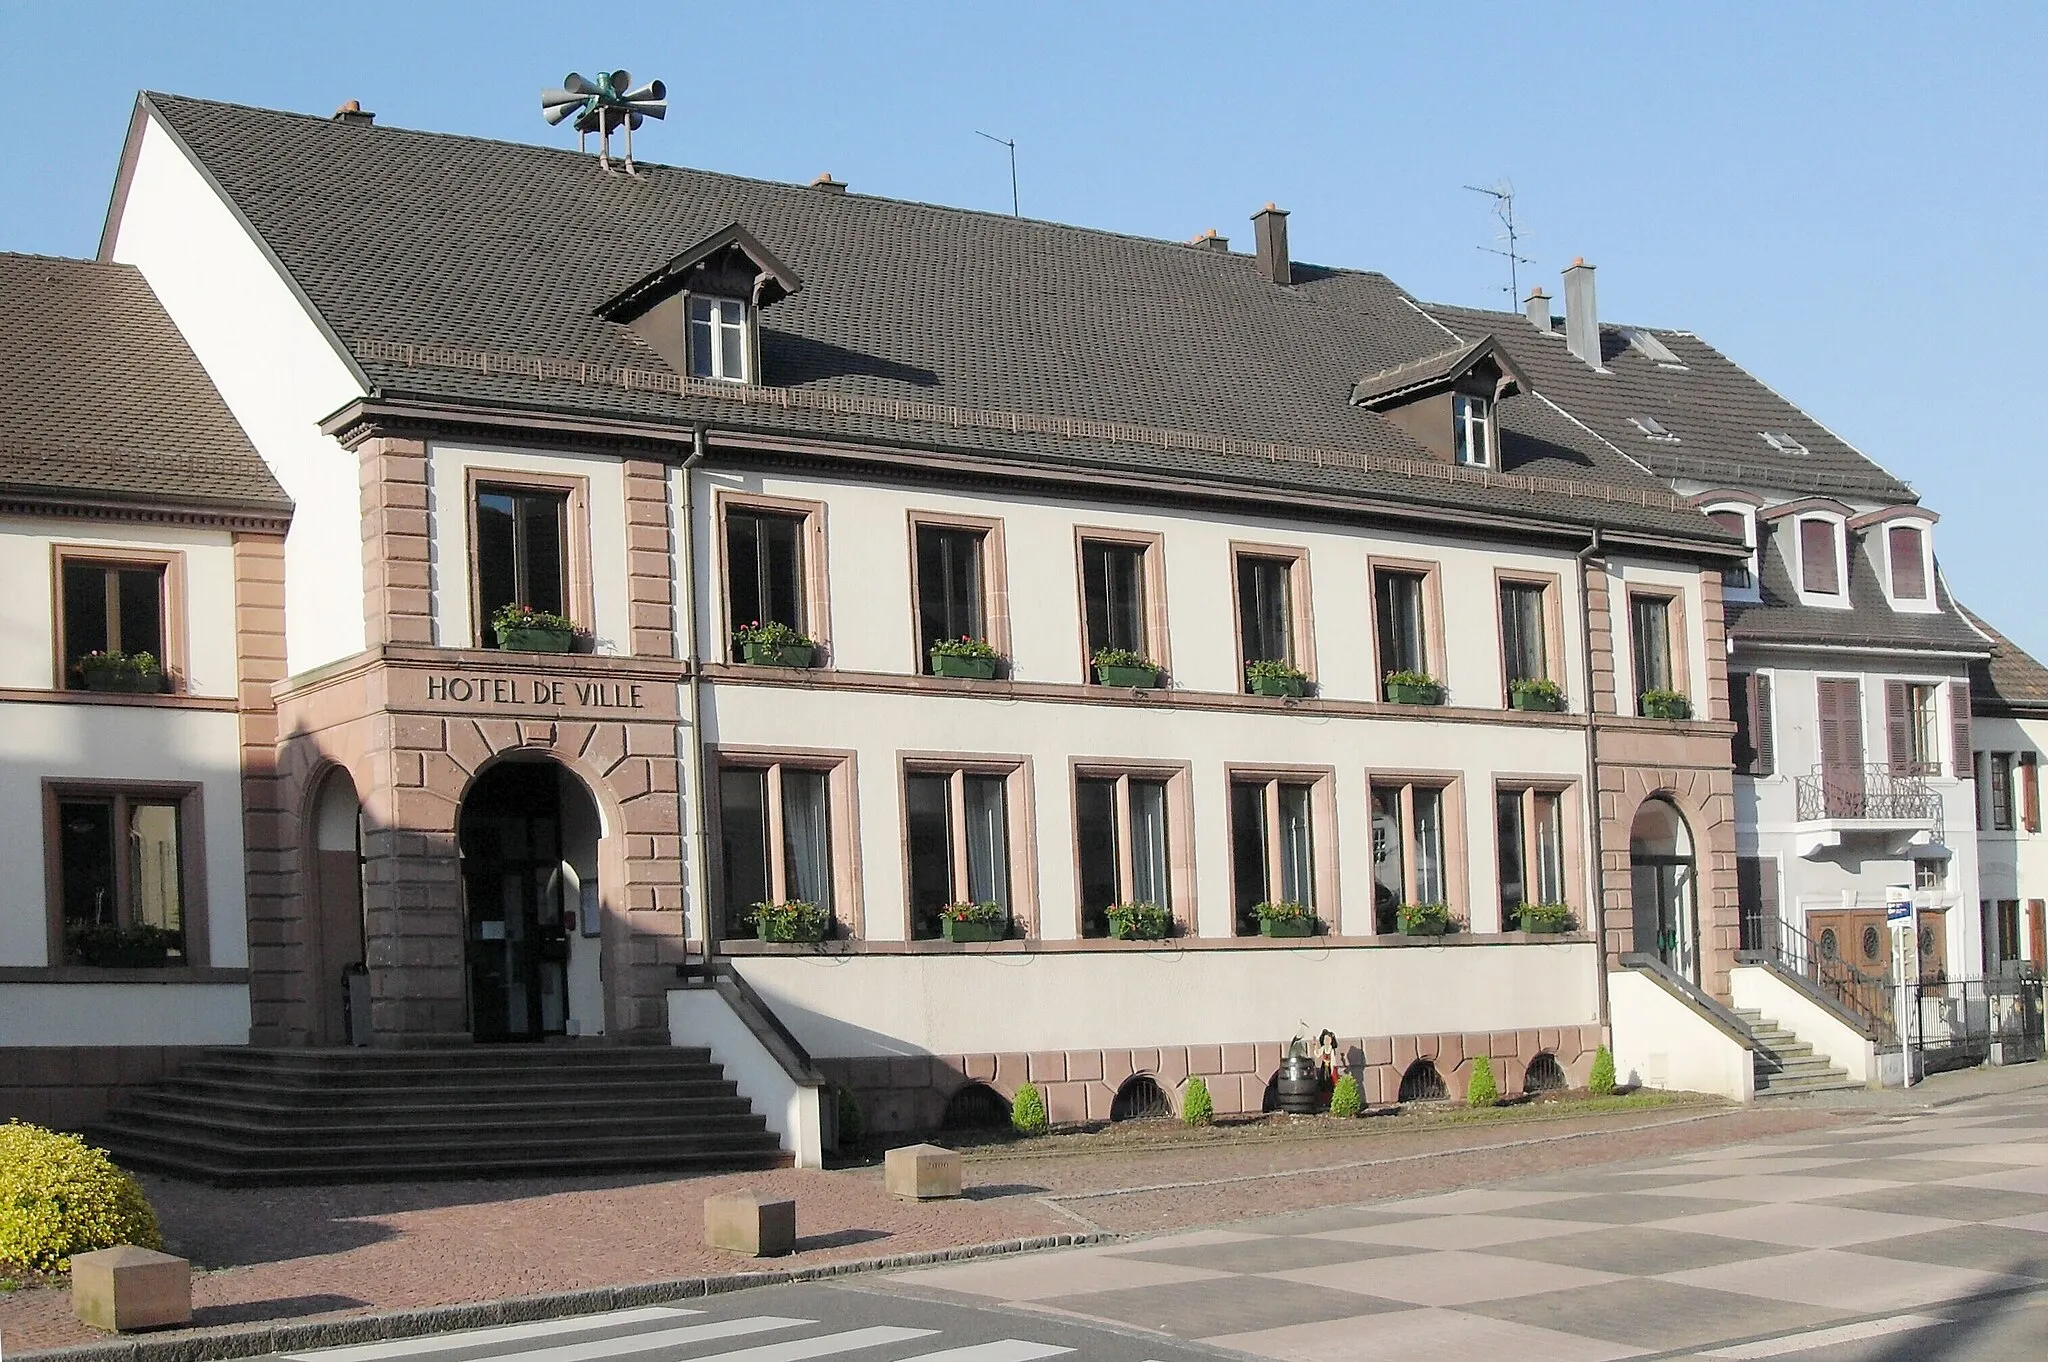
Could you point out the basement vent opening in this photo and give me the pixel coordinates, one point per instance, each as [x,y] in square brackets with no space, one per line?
[1545,1074]
[1422,1083]
[1783,443]
[1139,1099]
[1654,429]
[976,1107]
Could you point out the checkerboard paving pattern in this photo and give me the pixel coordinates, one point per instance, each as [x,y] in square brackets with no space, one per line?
[1694,1252]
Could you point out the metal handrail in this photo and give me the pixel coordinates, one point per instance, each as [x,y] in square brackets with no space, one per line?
[1865,792]
[1868,996]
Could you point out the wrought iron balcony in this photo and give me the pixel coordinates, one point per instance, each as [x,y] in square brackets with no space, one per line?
[1866,794]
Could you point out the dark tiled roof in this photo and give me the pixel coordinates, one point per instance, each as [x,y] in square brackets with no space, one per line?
[1869,622]
[100,395]
[406,241]
[2009,681]
[1717,409]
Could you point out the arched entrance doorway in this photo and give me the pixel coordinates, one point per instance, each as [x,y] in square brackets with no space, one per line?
[1664,879]
[532,920]
[341,1012]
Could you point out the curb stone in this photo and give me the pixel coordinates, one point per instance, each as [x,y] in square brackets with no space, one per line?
[259,1340]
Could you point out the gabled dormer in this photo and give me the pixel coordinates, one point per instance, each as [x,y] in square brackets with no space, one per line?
[1900,542]
[701,311]
[1449,401]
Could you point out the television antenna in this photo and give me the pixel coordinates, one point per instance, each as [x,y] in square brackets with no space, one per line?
[1503,196]
[601,106]
[1012,145]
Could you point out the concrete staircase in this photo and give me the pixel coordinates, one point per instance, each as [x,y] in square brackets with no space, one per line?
[248,1117]
[1786,1065]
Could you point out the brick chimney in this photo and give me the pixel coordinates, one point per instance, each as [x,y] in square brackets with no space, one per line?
[1269,226]
[1209,240]
[1581,314]
[1537,310]
[353,112]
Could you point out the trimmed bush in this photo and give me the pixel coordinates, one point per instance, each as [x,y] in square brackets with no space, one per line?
[60,1196]
[1027,1111]
[1195,1107]
[1481,1090]
[1345,1099]
[852,1126]
[1601,1084]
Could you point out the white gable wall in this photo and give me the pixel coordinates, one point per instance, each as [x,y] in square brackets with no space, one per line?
[274,367]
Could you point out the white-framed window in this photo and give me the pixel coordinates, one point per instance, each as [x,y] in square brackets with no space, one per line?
[718,338]
[1907,550]
[1738,580]
[1472,431]
[1823,560]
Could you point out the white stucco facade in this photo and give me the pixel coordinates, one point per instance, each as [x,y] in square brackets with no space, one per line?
[2013,864]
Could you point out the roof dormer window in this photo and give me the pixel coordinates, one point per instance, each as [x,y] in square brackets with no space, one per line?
[1823,561]
[1738,580]
[1472,430]
[718,340]
[1906,562]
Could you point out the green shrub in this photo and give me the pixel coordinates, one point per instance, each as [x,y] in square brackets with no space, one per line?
[1481,1090]
[1027,1111]
[1601,1084]
[60,1196]
[1345,1098]
[852,1126]
[1195,1107]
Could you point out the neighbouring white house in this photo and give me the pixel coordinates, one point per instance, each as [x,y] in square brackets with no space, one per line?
[2009,704]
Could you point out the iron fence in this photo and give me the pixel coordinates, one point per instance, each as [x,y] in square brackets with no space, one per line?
[1958,1023]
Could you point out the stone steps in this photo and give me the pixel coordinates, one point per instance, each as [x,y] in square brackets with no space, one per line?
[270,1117]
[1786,1065]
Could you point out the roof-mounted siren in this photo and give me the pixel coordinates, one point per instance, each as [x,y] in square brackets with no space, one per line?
[611,101]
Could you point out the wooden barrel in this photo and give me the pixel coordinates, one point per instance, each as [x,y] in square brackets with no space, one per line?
[1300,1086]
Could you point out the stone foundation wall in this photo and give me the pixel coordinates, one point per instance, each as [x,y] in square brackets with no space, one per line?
[906,1093]
[66,1087]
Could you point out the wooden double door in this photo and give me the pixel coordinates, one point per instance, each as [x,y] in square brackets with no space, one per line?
[1861,939]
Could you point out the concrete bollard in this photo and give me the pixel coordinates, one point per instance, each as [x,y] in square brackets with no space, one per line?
[126,1287]
[922,1172]
[747,1222]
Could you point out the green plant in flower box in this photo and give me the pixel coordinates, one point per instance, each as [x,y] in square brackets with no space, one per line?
[1273,677]
[1547,918]
[1423,919]
[792,920]
[1536,693]
[1122,667]
[1658,703]
[1139,922]
[1285,918]
[521,628]
[973,658]
[773,644]
[985,921]
[129,673]
[1413,688]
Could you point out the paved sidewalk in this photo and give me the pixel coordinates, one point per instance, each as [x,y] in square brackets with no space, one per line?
[300,1253]
[1872,1230]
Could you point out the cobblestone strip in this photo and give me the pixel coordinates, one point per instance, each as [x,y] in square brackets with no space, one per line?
[259,1340]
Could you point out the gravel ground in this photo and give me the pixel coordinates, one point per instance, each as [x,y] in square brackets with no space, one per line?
[296,1252]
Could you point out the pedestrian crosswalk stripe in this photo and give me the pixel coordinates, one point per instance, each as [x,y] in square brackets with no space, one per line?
[825,1345]
[625,1345]
[479,1338]
[1002,1350]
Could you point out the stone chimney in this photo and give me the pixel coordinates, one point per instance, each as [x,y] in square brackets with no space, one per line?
[829,185]
[1269,225]
[1581,314]
[1209,240]
[352,112]
[1537,310]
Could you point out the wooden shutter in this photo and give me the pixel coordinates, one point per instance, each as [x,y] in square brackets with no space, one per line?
[1898,727]
[1959,718]
[1841,725]
[1819,573]
[1761,731]
[1909,565]
[2030,792]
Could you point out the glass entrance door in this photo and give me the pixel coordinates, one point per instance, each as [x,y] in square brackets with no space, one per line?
[513,885]
[1664,909]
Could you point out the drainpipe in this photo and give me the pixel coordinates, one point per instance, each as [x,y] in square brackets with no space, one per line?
[1594,548]
[694,705]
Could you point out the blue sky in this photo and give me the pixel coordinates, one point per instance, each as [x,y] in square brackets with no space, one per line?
[1852,201]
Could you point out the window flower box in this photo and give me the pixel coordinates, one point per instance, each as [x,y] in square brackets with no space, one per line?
[1125,669]
[1413,688]
[1139,922]
[121,673]
[1274,679]
[1285,919]
[1423,919]
[523,630]
[1665,704]
[796,921]
[974,922]
[1539,696]
[1546,919]
[971,659]
[774,645]
[141,946]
